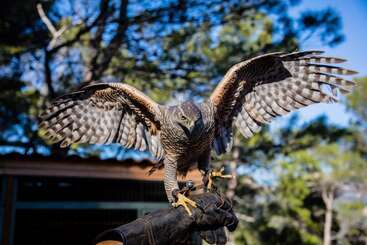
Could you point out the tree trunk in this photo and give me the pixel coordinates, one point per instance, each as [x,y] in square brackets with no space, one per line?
[328,197]
[48,76]
[103,55]
[232,183]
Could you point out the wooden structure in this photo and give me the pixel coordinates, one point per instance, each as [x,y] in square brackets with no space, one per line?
[69,201]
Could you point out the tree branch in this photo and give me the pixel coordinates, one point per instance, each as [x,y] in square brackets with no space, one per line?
[96,42]
[56,34]
[77,37]
[48,75]
[245,218]
[97,68]
[46,20]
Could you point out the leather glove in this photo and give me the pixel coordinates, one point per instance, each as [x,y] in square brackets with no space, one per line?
[175,226]
[218,210]
[217,236]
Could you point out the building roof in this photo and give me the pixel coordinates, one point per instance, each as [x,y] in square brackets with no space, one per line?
[74,166]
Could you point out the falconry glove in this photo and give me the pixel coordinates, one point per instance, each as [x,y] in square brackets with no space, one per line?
[175,226]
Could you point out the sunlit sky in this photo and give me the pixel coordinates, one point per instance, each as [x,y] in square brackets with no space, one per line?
[354,48]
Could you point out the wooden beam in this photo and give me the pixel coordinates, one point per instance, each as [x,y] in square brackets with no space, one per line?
[93,205]
[86,170]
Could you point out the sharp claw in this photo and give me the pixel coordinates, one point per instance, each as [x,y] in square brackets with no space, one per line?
[184,201]
[217,174]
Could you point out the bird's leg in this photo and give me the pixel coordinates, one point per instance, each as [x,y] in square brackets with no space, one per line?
[174,195]
[210,174]
[182,200]
[214,174]
[203,166]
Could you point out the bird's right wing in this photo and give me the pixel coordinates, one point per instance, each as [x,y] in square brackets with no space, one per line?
[105,113]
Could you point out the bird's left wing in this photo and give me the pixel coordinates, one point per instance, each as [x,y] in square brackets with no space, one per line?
[105,113]
[257,90]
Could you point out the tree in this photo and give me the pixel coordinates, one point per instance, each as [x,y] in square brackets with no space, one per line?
[53,47]
[330,170]
[351,216]
[314,177]
[357,101]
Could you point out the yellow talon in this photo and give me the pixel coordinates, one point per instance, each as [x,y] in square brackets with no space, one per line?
[184,201]
[217,174]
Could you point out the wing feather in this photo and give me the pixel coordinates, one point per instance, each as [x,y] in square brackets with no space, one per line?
[257,90]
[104,114]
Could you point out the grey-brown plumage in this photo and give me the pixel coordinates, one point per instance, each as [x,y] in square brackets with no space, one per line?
[252,93]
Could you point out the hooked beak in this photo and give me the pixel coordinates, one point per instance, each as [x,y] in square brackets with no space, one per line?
[191,129]
[187,130]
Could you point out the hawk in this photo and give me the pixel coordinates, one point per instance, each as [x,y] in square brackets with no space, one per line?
[252,93]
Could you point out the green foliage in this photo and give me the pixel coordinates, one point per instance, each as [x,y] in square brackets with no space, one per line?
[357,100]
[353,224]
[300,163]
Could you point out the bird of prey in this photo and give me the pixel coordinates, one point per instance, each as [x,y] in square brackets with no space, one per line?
[252,93]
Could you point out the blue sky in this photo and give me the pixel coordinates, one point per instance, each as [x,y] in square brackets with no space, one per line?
[354,48]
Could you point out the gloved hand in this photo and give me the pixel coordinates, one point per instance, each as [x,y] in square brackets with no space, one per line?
[175,226]
[217,211]
[217,236]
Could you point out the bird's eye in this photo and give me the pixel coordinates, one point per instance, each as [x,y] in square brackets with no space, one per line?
[183,118]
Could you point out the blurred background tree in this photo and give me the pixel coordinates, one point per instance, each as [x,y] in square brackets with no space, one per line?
[164,48]
[181,49]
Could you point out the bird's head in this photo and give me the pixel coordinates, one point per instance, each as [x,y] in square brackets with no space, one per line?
[188,117]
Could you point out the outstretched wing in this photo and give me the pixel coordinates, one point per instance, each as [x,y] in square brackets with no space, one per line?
[255,91]
[102,114]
